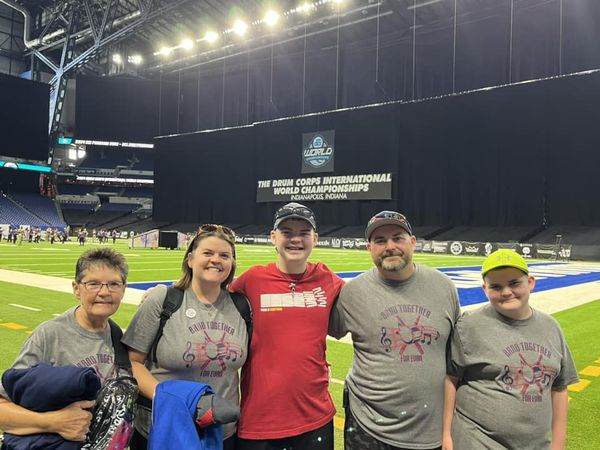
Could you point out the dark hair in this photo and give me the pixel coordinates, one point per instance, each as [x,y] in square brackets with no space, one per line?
[101,257]
[204,232]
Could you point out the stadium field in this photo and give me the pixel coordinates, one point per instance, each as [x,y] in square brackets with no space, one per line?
[23,307]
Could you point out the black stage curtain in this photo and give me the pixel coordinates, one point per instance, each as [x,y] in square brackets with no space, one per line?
[518,155]
[398,57]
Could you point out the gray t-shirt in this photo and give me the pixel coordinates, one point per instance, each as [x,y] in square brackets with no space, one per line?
[507,369]
[400,332]
[63,342]
[200,342]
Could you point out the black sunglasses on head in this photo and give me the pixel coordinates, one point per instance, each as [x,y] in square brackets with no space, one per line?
[390,215]
[394,216]
[211,228]
[294,210]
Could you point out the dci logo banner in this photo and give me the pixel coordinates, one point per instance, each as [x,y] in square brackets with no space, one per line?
[317,151]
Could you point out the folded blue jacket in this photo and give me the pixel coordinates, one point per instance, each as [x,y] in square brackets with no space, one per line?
[173,413]
[41,388]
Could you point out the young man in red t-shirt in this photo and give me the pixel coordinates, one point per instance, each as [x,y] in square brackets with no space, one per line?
[285,400]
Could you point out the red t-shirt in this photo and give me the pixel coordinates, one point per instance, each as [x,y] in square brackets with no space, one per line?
[286,376]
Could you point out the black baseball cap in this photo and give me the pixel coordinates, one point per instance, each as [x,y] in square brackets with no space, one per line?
[387,218]
[294,211]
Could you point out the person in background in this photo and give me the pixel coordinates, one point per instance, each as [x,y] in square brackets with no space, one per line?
[285,398]
[510,368]
[400,316]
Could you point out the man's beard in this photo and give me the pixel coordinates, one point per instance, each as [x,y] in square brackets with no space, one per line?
[396,265]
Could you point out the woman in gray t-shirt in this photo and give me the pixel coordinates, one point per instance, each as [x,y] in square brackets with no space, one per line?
[205,340]
[80,337]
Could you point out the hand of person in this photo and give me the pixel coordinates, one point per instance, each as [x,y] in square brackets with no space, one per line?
[149,291]
[447,443]
[73,421]
[213,409]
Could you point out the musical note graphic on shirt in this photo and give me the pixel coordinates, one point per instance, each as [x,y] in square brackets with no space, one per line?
[189,356]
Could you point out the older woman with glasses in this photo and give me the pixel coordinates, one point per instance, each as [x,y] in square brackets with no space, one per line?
[79,337]
[204,341]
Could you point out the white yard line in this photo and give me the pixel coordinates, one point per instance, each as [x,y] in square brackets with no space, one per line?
[24,307]
[550,301]
[132,296]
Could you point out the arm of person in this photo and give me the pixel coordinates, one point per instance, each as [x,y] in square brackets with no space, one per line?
[560,406]
[450,384]
[71,422]
[145,380]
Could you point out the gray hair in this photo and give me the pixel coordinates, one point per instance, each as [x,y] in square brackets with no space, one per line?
[101,257]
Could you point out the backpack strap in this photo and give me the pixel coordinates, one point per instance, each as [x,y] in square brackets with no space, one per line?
[243,306]
[172,303]
[121,354]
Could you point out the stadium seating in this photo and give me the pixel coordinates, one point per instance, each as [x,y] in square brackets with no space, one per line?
[143,161]
[104,160]
[29,209]
[13,214]
[138,192]
[75,189]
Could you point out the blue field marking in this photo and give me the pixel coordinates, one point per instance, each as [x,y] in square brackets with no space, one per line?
[468,279]
[149,284]
[547,276]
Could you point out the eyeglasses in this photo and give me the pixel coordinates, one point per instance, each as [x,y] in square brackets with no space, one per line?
[302,211]
[211,228]
[96,286]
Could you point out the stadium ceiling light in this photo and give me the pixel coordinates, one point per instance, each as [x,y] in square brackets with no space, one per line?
[306,8]
[117,58]
[165,51]
[187,44]
[271,18]
[135,59]
[240,27]
[211,36]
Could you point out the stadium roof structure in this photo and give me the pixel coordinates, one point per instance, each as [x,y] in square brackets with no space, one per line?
[68,36]
[151,38]
[143,26]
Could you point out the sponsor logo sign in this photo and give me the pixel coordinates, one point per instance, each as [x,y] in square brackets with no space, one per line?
[440,246]
[456,248]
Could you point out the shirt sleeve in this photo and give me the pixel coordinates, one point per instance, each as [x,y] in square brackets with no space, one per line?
[456,303]
[568,371]
[337,320]
[456,360]
[144,325]
[239,285]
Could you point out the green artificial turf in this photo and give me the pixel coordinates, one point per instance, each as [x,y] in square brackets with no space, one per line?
[579,324]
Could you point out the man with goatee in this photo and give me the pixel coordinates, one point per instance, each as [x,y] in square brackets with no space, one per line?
[400,316]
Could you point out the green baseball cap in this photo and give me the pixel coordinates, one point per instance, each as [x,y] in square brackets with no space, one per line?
[504,258]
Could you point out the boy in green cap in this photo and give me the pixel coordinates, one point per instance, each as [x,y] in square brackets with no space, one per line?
[510,367]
